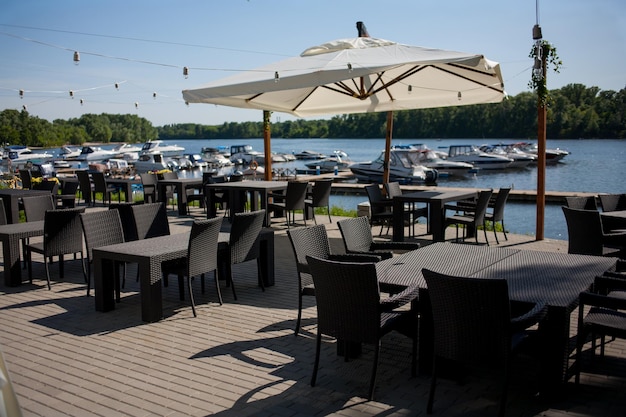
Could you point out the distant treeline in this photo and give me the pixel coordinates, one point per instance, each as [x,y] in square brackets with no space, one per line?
[575,112]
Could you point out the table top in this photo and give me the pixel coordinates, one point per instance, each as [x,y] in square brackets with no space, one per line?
[175,181]
[553,278]
[25,229]
[620,214]
[250,185]
[445,196]
[21,192]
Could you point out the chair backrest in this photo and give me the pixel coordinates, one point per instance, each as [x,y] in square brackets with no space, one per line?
[244,232]
[148,178]
[348,299]
[62,232]
[309,241]
[581,203]
[295,195]
[481,206]
[3,213]
[99,182]
[236,178]
[320,194]
[101,228]
[584,231]
[613,202]
[393,189]
[127,218]
[69,187]
[26,177]
[471,318]
[375,196]
[44,185]
[356,234]
[169,175]
[35,207]
[85,185]
[150,220]
[203,244]
[500,203]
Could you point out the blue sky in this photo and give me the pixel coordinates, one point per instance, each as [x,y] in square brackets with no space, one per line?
[143,45]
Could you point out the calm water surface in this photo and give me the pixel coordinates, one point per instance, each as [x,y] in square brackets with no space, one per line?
[592,166]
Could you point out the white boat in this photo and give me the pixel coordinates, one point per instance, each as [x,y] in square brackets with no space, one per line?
[159,147]
[69,152]
[153,162]
[307,154]
[95,153]
[552,155]
[444,167]
[520,159]
[338,160]
[217,160]
[472,155]
[401,169]
[244,154]
[127,151]
[197,161]
[17,155]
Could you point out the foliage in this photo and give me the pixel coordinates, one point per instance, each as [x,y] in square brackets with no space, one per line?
[538,81]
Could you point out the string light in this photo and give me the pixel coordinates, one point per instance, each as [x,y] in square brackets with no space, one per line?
[410,89]
[117,86]
[71,94]
[187,103]
[21,93]
[24,107]
[76,57]
[186,72]
[349,67]
[276,77]
[459,96]
[136,104]
[154,95]
[82,101]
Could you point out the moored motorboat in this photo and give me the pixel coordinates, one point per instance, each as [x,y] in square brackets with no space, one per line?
[95,153]
[159,147]
[520,159]
[17,155]
[244,155]
[401,169]
[308,154]
[472,155]
[445,168]
[339,161]
[552,155]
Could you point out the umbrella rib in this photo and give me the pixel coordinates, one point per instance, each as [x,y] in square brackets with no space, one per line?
[490,86]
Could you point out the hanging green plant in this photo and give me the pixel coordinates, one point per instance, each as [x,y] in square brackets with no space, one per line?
[538,79]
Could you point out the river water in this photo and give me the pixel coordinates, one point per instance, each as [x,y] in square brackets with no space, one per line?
[597,166]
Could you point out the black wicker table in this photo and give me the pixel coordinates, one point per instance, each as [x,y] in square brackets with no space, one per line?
[436,217]
[181,185]
[11,199]
[555,279]
[10,236]
[148,254]
[613,220]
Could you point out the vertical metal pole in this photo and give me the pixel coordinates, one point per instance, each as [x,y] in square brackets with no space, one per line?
[541,159]
[388,146]
[267,146]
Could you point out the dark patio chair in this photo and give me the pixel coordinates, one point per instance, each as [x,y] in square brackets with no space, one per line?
[100,186]
[45,185]
[26,177]
[3,213]
[471,220]
[293,199]
[475,323]
[496,214]
[63,235]
[170,190]
[67,197]
[149,184]
[242,246]
[613,202]
[357,239]
[35,207]
[581,203]
[412,212]
[319,197]
[381,208]
[198,193]
[150,220]
[201,258]
[349,309]
[85,186]
[313,241]
[128,220]
[101,228]
[586,235]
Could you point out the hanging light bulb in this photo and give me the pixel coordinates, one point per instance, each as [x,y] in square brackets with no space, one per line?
[187,103]
[410,89]
[276,77]
[21,93]
[117,86]
[24,107]
[76,57]
[186,72]
[136,104]
[154,95]
[71,94]
[349,67]
[459,96]
[82,101]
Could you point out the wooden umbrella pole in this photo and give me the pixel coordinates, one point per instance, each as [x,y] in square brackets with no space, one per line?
[388,146]
[541,159]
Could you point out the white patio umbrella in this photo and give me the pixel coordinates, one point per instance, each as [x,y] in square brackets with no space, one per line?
[358,75]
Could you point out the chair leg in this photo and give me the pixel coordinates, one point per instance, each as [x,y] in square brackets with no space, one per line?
[299,319]
[45,262]
[374,369]
[318,346]
[495,234]
[217,287]
[193,304]
[504,230]
[433,385]
[505,388]
[181,287]
[329,218]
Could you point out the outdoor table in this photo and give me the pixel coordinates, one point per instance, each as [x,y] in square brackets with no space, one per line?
[262,188]
[613,220]
[125,184]
[11,198]
[11,235]
[436,212]
[555,279]
[148,254]
[181,185]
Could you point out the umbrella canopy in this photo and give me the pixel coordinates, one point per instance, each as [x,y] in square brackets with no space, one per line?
[358,75]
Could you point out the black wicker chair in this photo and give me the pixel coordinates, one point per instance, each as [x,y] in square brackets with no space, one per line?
[381,208]
[85,186]
[150,220]
[149,184]
[293,199]
[471,220]
[313,241]
[474,323]
[496,214]
[67,197]
[243,245]
[100,186]
[613,202]
[412,212]
[585,234]
[101,228]
[201,258]
[35,207]
[319,197]
[357,238]
[581,203]
[26,176]
[3,213]
[349,308]
[63,235]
